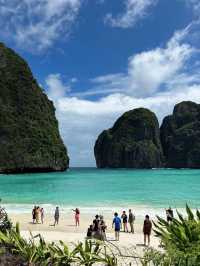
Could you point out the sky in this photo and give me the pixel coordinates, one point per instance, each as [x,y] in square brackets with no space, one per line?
[97,59]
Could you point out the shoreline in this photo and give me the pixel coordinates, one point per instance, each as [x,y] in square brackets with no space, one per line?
[139,210]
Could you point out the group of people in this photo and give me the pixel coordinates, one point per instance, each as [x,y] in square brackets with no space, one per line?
[76,216]
[117,223]
[128,219]
[37,215]
[98,228]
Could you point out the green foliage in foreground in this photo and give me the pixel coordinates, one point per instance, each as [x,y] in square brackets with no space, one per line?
[36,252]
[5,223]
[180,240]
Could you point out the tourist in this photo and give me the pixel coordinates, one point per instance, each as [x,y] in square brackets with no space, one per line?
[147,229]
[37,214]
[34,214]
[131,220]
[89,231]
[77,216]
[117,224]
[42,215]
[125,221]
[169,214]
[96,227]
[103,227]
[56,216]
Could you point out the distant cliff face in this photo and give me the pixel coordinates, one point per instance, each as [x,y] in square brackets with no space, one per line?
[133,142]
[180,136]
[29,136]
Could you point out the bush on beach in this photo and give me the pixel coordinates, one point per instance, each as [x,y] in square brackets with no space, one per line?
[180,240]
[5,223]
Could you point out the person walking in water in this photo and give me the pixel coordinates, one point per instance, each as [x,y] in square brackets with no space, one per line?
[125,221]
[56,216]
[117,224]
[77,216]
[42,215]
[147,229]
[131,220]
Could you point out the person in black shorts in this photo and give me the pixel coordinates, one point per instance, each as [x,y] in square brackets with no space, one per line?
[117,224]
[124,218]
[34,214]
[147,229]
[96,227]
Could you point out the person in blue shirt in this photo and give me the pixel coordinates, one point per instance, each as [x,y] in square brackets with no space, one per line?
[117,224]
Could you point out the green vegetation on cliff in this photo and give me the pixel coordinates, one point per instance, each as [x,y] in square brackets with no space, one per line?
[180,136]
[133,142]
[29,135]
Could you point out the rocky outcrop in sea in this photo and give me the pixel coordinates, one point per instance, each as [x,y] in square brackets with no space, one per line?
[133,142]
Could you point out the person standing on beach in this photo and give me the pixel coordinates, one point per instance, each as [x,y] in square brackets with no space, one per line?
[131,220]
[37,214]
[170,215]
[34,214]
[125,221]
[147,229]
[96,226]
[117,223]
[77,216]
[56,216]
[42,215]
[103,227]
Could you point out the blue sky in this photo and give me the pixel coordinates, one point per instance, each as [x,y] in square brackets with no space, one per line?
[99,58]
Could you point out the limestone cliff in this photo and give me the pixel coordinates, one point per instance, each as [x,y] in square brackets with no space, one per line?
[180,136]
[29,135]
[133,142]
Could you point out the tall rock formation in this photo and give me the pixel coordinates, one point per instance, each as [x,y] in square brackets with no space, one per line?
[180,136]
[133,142]
[29,136]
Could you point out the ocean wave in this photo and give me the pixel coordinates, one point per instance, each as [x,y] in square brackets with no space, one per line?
[139,210]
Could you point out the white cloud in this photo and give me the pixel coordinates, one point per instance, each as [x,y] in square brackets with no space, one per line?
[36,24]
[135,10]
[82,120]
[150,71]
[56,88]
[195,4]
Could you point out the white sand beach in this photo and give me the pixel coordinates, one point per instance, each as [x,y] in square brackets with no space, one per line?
[69,233]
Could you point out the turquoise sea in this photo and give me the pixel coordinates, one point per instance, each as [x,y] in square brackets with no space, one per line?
[94,189]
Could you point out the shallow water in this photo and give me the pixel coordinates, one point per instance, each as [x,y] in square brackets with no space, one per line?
[92,189]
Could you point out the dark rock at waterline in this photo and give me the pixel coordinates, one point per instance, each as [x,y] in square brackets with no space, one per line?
[29,135]
[133,142]
[180,136]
